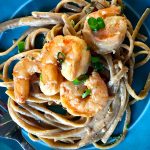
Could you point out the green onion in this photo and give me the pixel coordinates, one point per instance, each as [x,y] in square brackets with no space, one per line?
[92,22]
[80,79]
[21,46]
[95,59]
[76,82]
[41,77]
[127,126]
[96,64]
[98,67]
[86,93]
[101,23]
[60,57]
[96,24]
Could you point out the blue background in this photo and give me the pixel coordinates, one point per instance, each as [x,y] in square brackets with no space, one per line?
[139,132]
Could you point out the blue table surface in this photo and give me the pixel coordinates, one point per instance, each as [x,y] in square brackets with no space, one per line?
[138,137]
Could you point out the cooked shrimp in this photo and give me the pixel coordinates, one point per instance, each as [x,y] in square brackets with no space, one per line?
[51,79]
[70,95]
[22,73]
[75,62]
[108,39]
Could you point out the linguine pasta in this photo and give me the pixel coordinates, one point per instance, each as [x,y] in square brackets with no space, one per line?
[64,130]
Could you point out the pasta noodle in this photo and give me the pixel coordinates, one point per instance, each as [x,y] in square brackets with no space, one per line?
[65,130]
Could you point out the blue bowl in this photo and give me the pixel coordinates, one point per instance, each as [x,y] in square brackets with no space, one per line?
[139,131]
